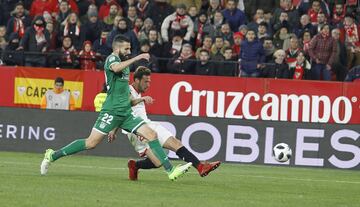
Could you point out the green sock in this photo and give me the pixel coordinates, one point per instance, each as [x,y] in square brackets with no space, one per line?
[72,148]
[160,154]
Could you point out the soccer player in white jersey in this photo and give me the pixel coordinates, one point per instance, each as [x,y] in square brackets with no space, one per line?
[167,140]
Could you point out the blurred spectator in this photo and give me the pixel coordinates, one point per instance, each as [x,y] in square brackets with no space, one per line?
[156,47]
[100,46]
[301,68]
[72,27]
[322,51]
[92,9]
[203,66]
[161,10]
[278,68]
[144,31]
[123,29]
[306,38]
[36,39]
[58,98]
[228,65]
[227,34]
[184,63]
[177,22]
[131,15]
[262,30]
[243,29]
[3,38]
[321,20]
[18,21]
[193,13]
[315,10]
[216,22]
[293,17]
[93,26]
[64,11]
[238,37]
[305,25]
[66,56]
[234,16]
[143,8]
[152,64]
[293,50]
[139,22]
[256,20]
[213,8]
[39,6]
[269,49]
[87,57]
[171,49]
[53,36]
[206,45]
[114,11]
[55,5]
[339,12]
[252,5]
[83,6]
[354,74]
[11,56]
[105,8]
[217,49]
[339,65]
[202,27]
[283,21]
[282,38]
[350,35]
[251,55]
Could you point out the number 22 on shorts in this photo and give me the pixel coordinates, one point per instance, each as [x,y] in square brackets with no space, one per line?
[107,118]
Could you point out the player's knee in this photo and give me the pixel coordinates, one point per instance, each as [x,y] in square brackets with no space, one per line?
[151,135]
[90,144]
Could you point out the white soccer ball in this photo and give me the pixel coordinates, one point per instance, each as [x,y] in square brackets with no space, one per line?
[282,152]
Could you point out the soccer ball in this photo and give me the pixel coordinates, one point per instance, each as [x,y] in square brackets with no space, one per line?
[282,152]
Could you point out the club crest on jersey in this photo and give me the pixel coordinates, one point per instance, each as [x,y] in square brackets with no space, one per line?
[102,125]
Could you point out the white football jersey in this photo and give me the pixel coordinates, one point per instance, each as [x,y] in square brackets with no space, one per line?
[139,109]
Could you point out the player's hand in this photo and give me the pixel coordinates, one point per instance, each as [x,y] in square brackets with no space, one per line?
[328,67]
[111,136]
[148,99]
[145,56]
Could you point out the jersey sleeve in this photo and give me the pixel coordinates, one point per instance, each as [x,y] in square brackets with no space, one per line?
[112,60]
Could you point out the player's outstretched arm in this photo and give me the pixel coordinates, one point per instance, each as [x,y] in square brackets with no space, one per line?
[146,99]
[118,67]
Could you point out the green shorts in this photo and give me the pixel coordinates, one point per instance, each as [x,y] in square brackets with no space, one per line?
[108,120]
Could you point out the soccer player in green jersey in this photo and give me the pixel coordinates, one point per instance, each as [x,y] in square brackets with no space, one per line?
[116,113]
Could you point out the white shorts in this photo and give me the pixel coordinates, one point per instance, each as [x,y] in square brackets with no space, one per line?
[140,143]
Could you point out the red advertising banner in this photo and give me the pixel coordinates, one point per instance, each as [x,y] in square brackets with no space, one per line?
[200,96]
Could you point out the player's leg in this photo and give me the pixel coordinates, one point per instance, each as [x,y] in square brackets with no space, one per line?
[142,148]
[101,128]
[137,126]
[169,141]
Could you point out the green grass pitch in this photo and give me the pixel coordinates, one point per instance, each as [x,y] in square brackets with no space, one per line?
[102,181]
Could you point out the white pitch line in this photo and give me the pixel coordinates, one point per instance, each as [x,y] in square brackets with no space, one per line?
[239,175]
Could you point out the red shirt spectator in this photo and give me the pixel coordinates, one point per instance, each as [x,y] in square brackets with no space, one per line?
[87,57]
[314,11]
[105,8]
[54,5]
[39,6]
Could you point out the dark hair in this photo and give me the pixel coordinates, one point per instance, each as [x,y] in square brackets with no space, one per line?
[227,48]
[141,71]
[121,39]
[219,36]
[59,80]
[203,50]
[268,38]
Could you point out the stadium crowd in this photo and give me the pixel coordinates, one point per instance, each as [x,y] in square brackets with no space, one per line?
[293,39]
